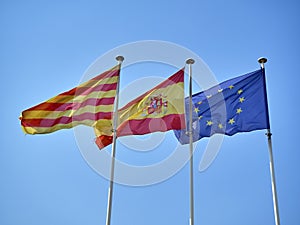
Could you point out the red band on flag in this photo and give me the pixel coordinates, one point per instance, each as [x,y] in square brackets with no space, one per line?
[54,106]
[149,125]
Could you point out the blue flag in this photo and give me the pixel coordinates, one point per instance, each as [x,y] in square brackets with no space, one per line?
[236,105]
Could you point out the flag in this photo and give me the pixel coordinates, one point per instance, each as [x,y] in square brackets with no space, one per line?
[159,109]
[88,104]
[236,105]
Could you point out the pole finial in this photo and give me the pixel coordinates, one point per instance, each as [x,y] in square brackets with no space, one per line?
[120,58]
[262,60]
[190,61]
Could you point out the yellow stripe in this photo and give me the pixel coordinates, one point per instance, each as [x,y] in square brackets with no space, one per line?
[45,130]
[42,114]
[174,95]
[98,94]
[108,72]
[103,127]
[80,98]
[109,80]
[95,94]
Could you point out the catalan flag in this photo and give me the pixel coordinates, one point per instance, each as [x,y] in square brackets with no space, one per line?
[88,104]
[159,109]
[236,105]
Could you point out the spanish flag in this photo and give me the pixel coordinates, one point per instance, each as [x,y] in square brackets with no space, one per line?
[88,104]
[159,109]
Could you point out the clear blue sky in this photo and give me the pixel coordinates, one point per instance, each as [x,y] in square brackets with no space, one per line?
[47,45]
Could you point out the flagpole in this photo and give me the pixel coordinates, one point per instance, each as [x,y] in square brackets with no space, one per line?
[262,61]
[120,59]
[190,132]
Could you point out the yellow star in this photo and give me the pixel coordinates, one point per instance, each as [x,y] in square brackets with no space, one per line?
[209,123]
[231,86]
[239,110]
[199,103]
[231,121]
[220,126]
[196,110]
[242,99]
[200,117]
[240,91]
[220,90]
[209,96]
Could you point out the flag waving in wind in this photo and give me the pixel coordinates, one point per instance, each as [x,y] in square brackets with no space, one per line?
[90,103]
[159,109]
[236,105]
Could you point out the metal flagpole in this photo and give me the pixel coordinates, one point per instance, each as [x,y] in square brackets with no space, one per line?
[120,59]
[190,132]
[262,61]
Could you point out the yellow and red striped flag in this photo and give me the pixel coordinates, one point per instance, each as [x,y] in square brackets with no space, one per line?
[88,104]
[159,109]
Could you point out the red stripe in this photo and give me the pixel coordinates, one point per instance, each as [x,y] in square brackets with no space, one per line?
[103,141]
[145,126]
[49,106]
[176,78]
[149,125]
[107,74]
[65,119]
[87,90]
[95,80]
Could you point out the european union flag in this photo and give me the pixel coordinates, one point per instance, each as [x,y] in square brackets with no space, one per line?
[236,105]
